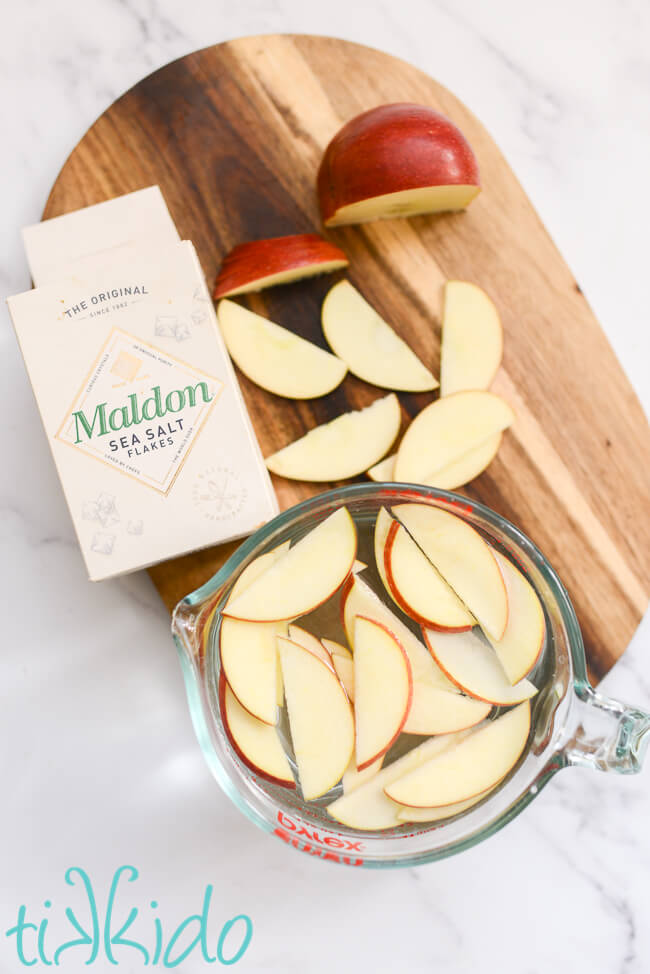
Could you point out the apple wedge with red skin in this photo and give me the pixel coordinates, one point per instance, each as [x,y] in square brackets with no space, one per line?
[352,778]
[432,711]
[342,447]
[418,588]
[248,652]
[367,807]
[472,664]
[358,599]
[259,264]
[383,526]
[303,578]
[396,160]
[320,719]
[521,644]
[256,744]
[477,763]
[463,558]
[472,339]
[383,690]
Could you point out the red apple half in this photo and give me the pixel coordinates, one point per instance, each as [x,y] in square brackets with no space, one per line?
[394,161]
[258,264]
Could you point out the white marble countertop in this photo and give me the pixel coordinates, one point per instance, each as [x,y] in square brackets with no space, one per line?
[100,764]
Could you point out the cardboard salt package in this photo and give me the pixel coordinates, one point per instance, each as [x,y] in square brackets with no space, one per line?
[143,413]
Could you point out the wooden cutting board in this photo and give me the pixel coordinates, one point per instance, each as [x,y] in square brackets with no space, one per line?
[234,134]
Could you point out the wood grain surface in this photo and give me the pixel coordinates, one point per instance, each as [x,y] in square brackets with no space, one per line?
[234,134]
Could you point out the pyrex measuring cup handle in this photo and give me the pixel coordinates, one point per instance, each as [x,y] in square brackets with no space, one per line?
[607,734]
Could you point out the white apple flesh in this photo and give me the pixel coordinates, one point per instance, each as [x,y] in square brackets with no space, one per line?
[446,430]
[463,558]
[383,525]
[454,475]
[342,448]
[436,814]
[353,778]
[382,472]
[344,669]
[313,645]
[336,649]
[248,654]
[257,744]
[275,358]
[471,767]
[383,689]
[372,351]
[472,339]
[359,599]
[436,711]
[304,577]
[473,665]
[418,588]
[521,644]
[465,468]
[248,651]
[320,719]
[367,807]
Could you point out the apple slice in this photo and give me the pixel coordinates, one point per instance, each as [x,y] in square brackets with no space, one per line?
[275,358]
[465,468]
[249,662]
[336,649]
[313,645]
[395,160]
[303,578]
[432,711]
[256,744]
[342,448]
[382,472]
[473,665]
[248,651]
[436,711]
[469,768]
[383,689]
[521,644]
[435,814]
[446,429]
[259,264]
[320,719]
[367,807]
[256,568]
[344,668]
[455,474]
[368,345]
[359,599]
[418,588]
[383,525]
[353,778]
[472,339]
[463,558]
